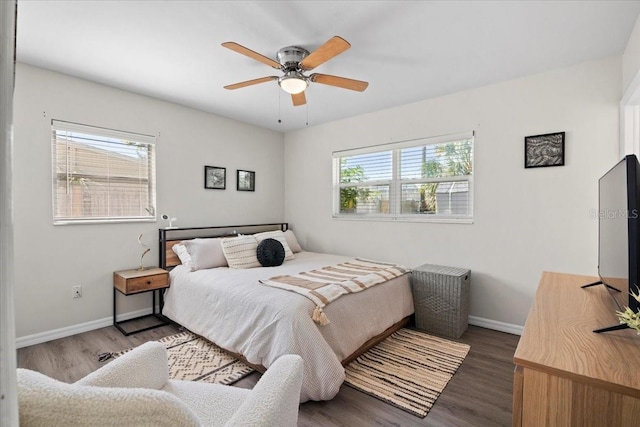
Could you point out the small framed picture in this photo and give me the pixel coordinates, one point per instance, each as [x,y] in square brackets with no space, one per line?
[215,178]
[544,150]
[246,181]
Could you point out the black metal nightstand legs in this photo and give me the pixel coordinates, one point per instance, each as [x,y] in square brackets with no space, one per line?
[158,315]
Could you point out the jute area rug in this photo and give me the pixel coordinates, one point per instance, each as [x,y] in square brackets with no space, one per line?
[192,358]
[410,369]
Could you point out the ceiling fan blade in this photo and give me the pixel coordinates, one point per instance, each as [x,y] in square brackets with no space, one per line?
[333,47]
[342,82]
[251,82]
[299,99]
[251,54]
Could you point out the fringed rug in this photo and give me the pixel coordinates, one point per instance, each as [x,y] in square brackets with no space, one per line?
[192,358]
[408,370]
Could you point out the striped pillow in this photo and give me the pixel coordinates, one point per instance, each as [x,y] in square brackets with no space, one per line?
[240,252]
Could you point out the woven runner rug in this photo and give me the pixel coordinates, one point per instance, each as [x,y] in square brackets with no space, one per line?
[408,370]
[192,358]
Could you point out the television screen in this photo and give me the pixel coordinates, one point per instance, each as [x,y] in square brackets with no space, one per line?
[618,232]
[613,260]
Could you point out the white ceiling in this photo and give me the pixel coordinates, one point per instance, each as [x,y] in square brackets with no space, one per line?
[407,50]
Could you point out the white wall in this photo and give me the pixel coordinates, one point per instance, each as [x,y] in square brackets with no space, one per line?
[525,221]
[630,103]
[50,259]
[631,58]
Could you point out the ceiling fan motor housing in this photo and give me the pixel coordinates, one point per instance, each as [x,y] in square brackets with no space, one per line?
[291,56]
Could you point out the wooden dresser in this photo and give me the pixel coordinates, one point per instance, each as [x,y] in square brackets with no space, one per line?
[567,375]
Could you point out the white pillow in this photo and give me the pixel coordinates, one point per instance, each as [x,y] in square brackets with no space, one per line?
[292,241]
[280,237]
[181,250]
[205,253]
[241,251]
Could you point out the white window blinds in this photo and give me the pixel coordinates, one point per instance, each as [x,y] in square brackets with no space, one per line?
[101,175]
[428,178]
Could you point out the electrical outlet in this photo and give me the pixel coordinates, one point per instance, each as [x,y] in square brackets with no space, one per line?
[76,291]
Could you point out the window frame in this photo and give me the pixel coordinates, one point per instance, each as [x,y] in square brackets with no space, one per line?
[103,134]
[396,182]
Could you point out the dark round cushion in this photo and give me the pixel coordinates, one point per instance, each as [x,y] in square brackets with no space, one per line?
[270,253]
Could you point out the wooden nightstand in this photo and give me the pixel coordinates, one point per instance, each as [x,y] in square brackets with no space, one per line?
[130,282]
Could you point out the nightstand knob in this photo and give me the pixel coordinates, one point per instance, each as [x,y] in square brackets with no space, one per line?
[148,282]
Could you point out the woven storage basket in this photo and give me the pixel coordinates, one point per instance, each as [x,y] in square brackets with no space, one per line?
[441,299]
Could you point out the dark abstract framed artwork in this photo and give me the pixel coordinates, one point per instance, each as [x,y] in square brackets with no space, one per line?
[544,150]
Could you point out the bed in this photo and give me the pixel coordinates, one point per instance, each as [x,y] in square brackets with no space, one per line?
[231,308]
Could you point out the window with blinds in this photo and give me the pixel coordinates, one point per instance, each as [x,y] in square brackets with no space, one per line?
[428,178]
[102,175]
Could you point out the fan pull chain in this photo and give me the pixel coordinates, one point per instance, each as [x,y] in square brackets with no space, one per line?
[279,105]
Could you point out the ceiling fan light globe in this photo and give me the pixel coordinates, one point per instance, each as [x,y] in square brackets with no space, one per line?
[293,84]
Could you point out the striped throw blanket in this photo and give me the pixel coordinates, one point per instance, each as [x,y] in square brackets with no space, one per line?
[329,283]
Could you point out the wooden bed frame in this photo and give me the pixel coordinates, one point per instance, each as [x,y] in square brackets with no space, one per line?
[168,259]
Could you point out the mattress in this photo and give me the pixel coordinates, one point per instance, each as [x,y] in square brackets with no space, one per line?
[232,309]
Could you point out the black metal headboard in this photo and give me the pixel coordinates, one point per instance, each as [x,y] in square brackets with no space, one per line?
[170,236]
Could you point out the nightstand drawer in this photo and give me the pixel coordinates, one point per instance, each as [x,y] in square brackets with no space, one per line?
[134,281]
[145,283]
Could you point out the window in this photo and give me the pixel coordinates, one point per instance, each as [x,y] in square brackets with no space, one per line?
[102,175]
[423,179]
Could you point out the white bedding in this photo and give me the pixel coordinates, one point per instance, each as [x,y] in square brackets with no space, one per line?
[230,308]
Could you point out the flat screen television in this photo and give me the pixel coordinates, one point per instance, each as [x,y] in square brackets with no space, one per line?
[619,231]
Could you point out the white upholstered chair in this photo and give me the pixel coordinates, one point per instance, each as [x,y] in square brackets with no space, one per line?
[135,390]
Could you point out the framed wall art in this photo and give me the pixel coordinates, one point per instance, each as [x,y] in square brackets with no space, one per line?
[544,150]
[215,178]
[246,180]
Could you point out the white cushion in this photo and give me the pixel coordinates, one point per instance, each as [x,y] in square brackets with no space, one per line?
[205,253]
[46,402]
[181,250]
[143,367]
[279,389]
[292,241]
[280,237]
[202,397]
[241,251]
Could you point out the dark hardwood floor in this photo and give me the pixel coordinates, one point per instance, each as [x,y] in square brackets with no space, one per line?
[478,395]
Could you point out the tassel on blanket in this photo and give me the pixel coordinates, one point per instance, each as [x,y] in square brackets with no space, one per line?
[319,317]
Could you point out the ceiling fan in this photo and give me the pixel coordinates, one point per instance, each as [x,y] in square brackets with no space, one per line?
[294,61]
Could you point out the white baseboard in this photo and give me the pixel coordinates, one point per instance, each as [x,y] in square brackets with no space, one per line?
[67,331]
[495,325]
[108,321]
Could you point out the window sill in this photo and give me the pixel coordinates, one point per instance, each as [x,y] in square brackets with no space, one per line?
[101,221]
[416,218]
